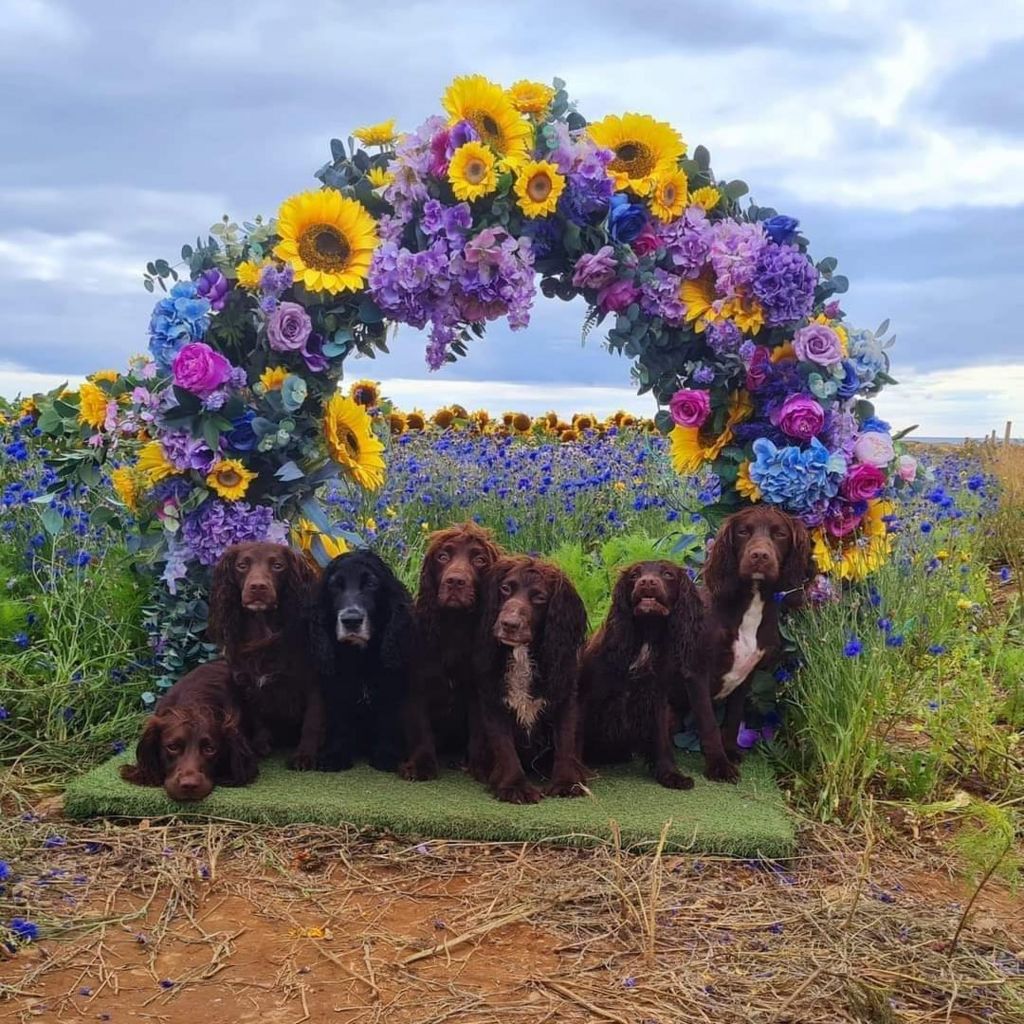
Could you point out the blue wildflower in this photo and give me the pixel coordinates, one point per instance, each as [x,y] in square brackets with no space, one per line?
[22,640]
[937,649]
[52,842]
[895,640]
[853,648]
[23,929]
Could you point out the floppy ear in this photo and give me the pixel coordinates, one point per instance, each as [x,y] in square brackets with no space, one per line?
[426,595]
[322,627]
[619,627]
[300,599]
[798,567]
[224,622]
[148,769]
[397,642]
[486,651]
[565,629]
[686,620]
[301,578]
[722,570]
[238,764]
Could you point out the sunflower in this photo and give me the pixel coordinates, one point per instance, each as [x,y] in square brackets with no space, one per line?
[28,407]
[481,417]
[506,418]
[304,532]
[379,177]
[459,411]
[230,479]
[272,378]
[490,111]
[352,442]
[382,134]
[472,171]
[747,314]
[568,435]
[627,420]
[110,376]
[327,238]
[645,149]
[92,405]
[153,463]
[669,198]
[127,484]
[415,420]
[698,297]
[551,418]
[521,423]
[365,392]
[396,422]
[249,274]
[690,450]
[745,487]
[867,553]
[443,417]
[783,353]
[530,97]
[538,186]
[741,408]
[706,198]
[583,421]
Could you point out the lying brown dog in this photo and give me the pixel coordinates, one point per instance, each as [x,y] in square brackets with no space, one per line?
[194,740]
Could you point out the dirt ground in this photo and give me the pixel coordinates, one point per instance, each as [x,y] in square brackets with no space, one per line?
[229,923]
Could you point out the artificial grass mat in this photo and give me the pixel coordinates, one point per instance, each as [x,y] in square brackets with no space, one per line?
[746,820]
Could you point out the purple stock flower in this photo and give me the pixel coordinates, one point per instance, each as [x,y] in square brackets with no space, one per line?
[723,337]
[451,221]
[274,280]
[784,284]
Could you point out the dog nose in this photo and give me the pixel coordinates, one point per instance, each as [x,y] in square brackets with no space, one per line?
[647,585]
[351,618]
[258,587]
[760,557]
[189,784]
[456,582]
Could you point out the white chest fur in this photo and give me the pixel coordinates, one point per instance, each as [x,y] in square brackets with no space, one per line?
[518,679]
[745,652]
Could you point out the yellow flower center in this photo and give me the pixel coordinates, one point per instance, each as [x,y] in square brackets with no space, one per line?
[323,247]
[633,158]
[476,171]
[539,187]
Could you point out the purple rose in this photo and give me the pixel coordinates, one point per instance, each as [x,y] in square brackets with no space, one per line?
[595,270]
[862,482]
[690,408]
[288,327]
[617,296]
[213,286]
[197,368]
[799,417]
[819,344]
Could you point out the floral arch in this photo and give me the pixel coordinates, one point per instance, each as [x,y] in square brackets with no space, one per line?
[729,323]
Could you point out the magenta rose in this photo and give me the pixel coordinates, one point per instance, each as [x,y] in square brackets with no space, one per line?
[842,519]
[595,269]
[819,344]
[690,408]
[646,242]
[197,368]
[862,482]
[757,371]
[617,296]
[288,327]
[799,417]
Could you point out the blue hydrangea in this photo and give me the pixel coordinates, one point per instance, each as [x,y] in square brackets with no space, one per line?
[182,317]
[867,355]
[799,479]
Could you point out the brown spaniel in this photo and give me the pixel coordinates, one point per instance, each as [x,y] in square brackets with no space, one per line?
[759,562]
[263,614]
[440,712]
[640,667]
[531,631]
[194,740]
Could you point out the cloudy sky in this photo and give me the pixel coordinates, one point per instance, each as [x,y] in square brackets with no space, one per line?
[893,130]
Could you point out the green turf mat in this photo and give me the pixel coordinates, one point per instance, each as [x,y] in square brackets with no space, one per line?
[746,820]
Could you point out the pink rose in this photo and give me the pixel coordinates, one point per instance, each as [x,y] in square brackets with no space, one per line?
[646,242]
[617,296]
[757,371]
[800,417]
[288,327]
[819,344]
[197,368]
[906,468]
[690,408]
[595,269]
[862,482]
[874,448]
[842,519]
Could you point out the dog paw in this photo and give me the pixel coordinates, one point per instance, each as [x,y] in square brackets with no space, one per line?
[300,762]
[519,793]
[722,770]
[333,763]
[565,787]
[674,780]
[418,770]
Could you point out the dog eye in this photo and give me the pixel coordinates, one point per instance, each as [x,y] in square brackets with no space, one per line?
[173,748]
[242,566]
[778,532]
[277,566]
[539,597]
[506,589]
[479,560]
[443,556]
[207,747]
[669,575]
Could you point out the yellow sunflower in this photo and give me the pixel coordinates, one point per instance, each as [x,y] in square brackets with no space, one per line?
[867,552]
[378,177]
[645,149]
[521,423]
[783,353]
[107,375]
[249,274]
[382,134]
[530,97]
[153,463]
[745,487]
[92,405]
[472,171]
[538,186]
[415,420]
[351,441]
[230,479]
[481,417]
[460,411]
[272,378]
[365,392]
[746,313]
[706,198]
[127,483]
[689,450]
[489,110]
[327,239]
[303,534]
[741,408]
[584,421]
[443,418]
[698,297]
[669,197]
[396,422]
[568,435]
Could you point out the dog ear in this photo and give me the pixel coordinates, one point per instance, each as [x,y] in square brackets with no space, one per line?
[148,769]
[426,595]
[686,621]
[798,567]
[619,626]
[565,629]
[224,620]
[486,651]
[397,642]
[238,762]
[722,569]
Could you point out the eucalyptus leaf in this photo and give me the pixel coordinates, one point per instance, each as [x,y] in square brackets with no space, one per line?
[53,521]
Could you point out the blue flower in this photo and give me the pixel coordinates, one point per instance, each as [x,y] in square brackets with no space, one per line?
[1004,574]
[937,649]
[873,425]
[781,229]
[975,482]
[894,640]
[242,437]
[4,713]
[625,219]
[926,527]
[23,929]
[5,871]
[22,640]
[52,842]
[850,384]
[798,478]
[853,648]
[178,319]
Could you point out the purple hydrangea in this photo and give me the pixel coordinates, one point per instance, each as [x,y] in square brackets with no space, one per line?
[410,286]
[451,221]
[784,283]
[186,452]
[735,249]
[724,337]
[589,190]
[660,297]
[687,242]
[493,275]
[216,525]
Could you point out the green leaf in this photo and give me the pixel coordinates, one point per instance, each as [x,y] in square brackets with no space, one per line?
[211,434]
[369,312]
[289,472]
[702,158]
[735,189]
[53,521]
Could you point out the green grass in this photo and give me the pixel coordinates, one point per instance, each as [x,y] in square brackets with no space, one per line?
[747,820]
